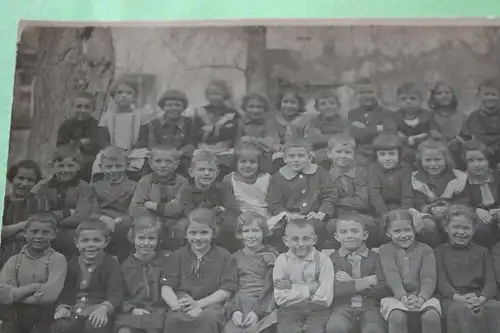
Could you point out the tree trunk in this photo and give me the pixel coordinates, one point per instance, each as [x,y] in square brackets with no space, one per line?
[256,73]
[69,61]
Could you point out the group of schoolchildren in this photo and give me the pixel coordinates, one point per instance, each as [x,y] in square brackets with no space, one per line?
[221,228]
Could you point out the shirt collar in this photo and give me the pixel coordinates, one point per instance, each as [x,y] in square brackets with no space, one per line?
[477,181]
[94,264]
[195,189]
[209,256]
[290,174]
[155,261]
[283,122]
[169,180]
[24,251]
[336,173]
[55,183]
[249,121]
[309,257]
[179,124]
[362,251]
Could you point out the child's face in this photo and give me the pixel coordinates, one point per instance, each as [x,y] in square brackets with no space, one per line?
[83,108]
[327,105]
[366,95]
[199,236]
[124,96]
[66,169]
[204,173]
[172,110]
[350,234]
[388,159]
[410,102]
[401,233]
[23,182]
[289,105]
[255,109]
[300,241]
[146,241]
[443,96]
[460,230]
[252,235]
[91,243]
[163,162]
[433,162]
[39,235]
[114,171]
[477,164]
[297,158]
[216,96]
[248,163]
[489,98]
[342,155]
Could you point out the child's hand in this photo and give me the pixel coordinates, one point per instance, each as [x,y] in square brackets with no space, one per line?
[460,298]
[380,128]
[438,211]
[317,216]
[119,220]
[219,209]
[313,287]
[149,205]
[372,280]
[62,313]
[250,319]
[358,124]
[343,276]
[483,215]
[99,318]
[140,312]
[85,141]
[417,303]
[405,300]
[193,310]
[237,318]
[284,283]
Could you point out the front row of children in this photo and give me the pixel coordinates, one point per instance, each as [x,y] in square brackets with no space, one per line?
[201,287]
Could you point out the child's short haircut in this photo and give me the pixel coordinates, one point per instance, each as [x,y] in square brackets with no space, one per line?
[326,94]
[204,216]
[161,147]
[341,139]
[460,210]
[88,96]
[386,141]
[220,84]
[141,223]
[474,145]
[408,88]
[489,83]
[432,96]
[253,95]
[434,145]
[173,95]
[352,218]
[68,151]
[296,94]
[396,215]
[24,164]
[114,154]
[300,223]
[94,225]
[297,142]
[42,217]
[248,218]
[126,81]
[203,155]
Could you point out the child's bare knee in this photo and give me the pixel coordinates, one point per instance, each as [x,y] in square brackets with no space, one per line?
[431,317]
[398,317]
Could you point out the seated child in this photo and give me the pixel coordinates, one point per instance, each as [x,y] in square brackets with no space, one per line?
[69,197]
[199,279]
[327,123]
[173,129]
[93,289]
[359,283]
[111,198]
[300,189]
[350,184]
[252,308]
[483,124]
[217,124]
[436,184]
[159,194]
[249,182]
[466,278]
[413,123]
[368,120]
[484,190]
[303,288]
[143,308]
[410,269]
[30,282]
[206,192]
[83,130]
[389,179]
[18,205]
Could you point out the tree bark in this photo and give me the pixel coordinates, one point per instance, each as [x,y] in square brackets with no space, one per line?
[255,72]
[69,61]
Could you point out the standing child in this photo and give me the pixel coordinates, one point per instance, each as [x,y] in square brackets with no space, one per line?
[436,184]
[111,198]
[206,192]
[159,194]
[68,195]
[350,183]
[30,282]
[413,123]
[359,282]
[200,278]
[252,308]
[300,189]
[466,278]
[410,269]
[249,182]
[143,308]
[18,205]
[93,289]
[303,288]
[83,130]
[368,119]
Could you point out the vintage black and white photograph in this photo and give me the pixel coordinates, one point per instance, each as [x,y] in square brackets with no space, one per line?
[334,178]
